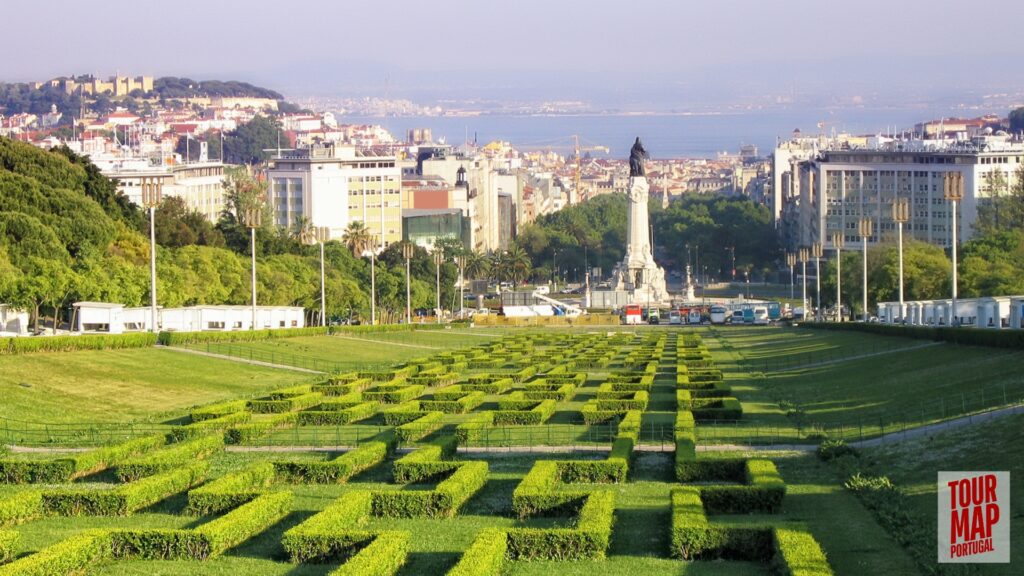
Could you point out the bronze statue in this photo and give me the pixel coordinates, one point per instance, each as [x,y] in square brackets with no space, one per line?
[637,155]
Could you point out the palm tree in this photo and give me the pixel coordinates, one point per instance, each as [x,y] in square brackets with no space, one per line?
[357,237]
[518,264]
[477,265]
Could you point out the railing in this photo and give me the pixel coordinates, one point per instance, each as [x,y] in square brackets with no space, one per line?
[73,435]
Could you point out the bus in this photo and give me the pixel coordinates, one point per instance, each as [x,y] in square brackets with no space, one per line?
[718,314]
[633,314]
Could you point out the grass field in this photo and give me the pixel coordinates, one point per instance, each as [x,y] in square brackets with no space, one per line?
[830,387]
[996,445]
[343,352]
[124,385]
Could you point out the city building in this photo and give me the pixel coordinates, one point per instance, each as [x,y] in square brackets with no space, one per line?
[426,227]
[832,191]
[334,184]
[13,321]
[113,318]
[199,184]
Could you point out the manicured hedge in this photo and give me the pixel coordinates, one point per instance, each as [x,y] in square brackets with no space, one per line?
[322,414]
[169,457]
[393,393]
[197,429]
[544,390]
[384,556]
[537,492]
[212,411]
[475,427]
[441,502]
[231,490]
[435,379]
[485,556]
[635,401]
[763,491]
[289,404]
[332,532]
[244,522]
[73,555]
[30,344]
[389,375]
[693,537]
[180,338]
[594,415]
[20,507]
[337,470]
[333,388]
[8,545]
[798,554]
[726,408]
[426,462]
[540,412]
[71,466]
[487,384]
[413,431]
[588,539]
[465,403]
[126,498]
[258,428]
[399,414]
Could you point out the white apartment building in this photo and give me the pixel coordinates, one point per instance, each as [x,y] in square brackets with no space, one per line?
[332,185]
[837,188]
[199,184]
[482,183]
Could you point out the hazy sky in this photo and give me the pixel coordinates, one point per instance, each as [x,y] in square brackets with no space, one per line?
[522,48]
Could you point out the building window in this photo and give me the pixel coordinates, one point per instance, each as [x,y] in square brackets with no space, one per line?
[215,325]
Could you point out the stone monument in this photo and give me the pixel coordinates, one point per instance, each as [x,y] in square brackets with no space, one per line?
[638,274]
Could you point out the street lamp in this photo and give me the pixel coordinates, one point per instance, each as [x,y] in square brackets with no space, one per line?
[554,271]
[253,218]
[732,252]
[953,188]
[837,243]
[803,254]
[408,250]
[438,260]
[817,252]
[865,227]
[320,236]
[152,193]
[460,261]
[371,252]
[791,262]
[900,214]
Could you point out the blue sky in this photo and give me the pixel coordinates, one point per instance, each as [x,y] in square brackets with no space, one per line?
[549,48]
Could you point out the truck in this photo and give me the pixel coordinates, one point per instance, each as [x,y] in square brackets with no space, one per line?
[633,314]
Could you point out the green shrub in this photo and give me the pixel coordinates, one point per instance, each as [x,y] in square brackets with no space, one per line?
[726,408]
[168,458]
[354,413]
[250,431]
[231,490]
[591,415]
[68,467]
[8,545]
[630,424]
[413,431]
[217,410]
[332,532]
[337,470]
[289,392]
[384,556]
[393,393]
[341,388]
[22,345]
[487,384]
[549,391]
[124,499]
[73,555]
[540,412]
[588,539]
[465,403]
[244,522]
[638,401]
[485,556]
[426,462]
[289,404]
[831,449]
[693,537]
[475,427]
[763,491]
[197,429]
[441,502]
[20,507]
[399,414]
[798,554]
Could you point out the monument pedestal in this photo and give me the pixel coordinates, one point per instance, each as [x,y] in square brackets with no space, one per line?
[638,274]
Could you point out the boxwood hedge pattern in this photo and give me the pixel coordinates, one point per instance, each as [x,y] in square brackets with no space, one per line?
[532,373]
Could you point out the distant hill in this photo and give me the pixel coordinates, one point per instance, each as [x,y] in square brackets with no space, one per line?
[172,87]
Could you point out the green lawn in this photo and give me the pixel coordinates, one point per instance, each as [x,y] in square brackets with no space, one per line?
[906,385]
[344,352]
[124,385]
[996,445]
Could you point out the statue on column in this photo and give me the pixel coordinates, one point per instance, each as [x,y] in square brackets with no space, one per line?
[637,155]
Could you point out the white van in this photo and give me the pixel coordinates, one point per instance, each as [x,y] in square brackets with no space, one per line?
[761,316]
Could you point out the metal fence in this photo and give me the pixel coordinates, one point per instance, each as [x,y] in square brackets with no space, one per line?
[245,352]
[72,435]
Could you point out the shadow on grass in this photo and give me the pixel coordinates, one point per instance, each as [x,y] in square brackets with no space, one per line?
[419,563]
[267,544]
[641,532]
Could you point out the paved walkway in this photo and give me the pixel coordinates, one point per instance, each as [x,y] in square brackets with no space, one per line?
[851,358]
[242,360]
[389,343]
[929,429]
